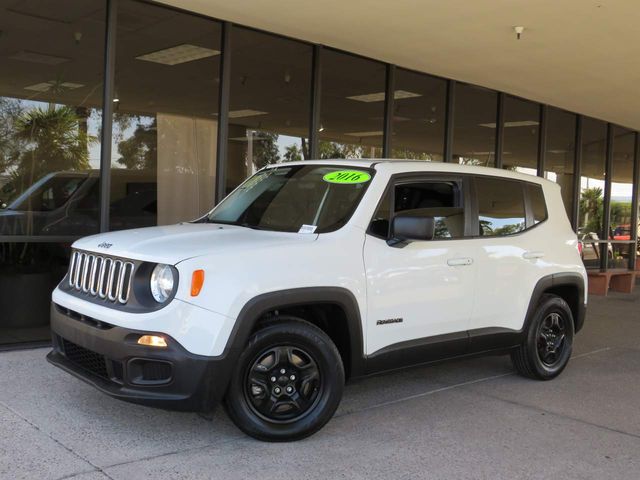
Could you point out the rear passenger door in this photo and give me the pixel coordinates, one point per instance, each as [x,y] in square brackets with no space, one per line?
[508,257]
[422,289]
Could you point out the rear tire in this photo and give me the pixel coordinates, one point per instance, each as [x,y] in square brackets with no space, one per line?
[288,381]
[547,348]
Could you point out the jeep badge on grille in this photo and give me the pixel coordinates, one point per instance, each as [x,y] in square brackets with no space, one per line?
[105,245]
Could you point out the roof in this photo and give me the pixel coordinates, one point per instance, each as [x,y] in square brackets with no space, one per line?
[394,166]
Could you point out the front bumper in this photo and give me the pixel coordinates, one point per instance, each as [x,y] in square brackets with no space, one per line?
[108,357]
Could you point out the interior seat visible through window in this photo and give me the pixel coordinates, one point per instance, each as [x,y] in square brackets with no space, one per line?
[438,199]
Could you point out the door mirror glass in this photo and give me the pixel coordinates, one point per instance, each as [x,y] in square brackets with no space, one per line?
[412,227]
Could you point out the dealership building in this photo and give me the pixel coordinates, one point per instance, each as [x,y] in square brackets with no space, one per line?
[118,114]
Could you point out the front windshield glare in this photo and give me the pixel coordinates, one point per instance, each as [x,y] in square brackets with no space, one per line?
[300,198]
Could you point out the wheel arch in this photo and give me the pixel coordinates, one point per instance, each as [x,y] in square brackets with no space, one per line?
[567,285]
[313,299]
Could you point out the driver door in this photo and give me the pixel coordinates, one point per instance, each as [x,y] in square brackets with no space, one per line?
[423,291]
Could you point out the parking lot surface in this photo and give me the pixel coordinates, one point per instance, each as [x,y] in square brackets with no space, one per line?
[471,418]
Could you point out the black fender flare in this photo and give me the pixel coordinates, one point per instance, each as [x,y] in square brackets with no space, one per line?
[554,280]
[255,308]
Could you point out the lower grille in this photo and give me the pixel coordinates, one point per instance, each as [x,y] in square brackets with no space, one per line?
[86,359]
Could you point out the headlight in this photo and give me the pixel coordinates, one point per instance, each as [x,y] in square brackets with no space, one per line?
[162,282]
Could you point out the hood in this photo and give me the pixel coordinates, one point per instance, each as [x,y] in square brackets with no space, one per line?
[172,244]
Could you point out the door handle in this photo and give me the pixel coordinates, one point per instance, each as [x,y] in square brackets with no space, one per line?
[453,262]
[532,255]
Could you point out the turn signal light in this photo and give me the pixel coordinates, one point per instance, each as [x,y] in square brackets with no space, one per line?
[152,341]
[197,280]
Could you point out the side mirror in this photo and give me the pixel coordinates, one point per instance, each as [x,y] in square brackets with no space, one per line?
[408,227]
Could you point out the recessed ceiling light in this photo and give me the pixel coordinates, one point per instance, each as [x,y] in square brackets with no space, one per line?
[379,96]
[520,123]
[364,134]
[245,113]
[179,54]
[70,85]
[46,86]
[35,57]
[558,151]
[39,87]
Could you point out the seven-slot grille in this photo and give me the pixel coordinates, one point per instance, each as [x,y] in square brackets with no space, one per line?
[104,277]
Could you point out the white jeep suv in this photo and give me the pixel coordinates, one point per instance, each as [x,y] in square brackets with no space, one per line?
[314,272]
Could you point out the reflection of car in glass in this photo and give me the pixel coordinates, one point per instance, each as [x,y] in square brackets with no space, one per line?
[622,232]
[591,246]
[66,203]
[313,272]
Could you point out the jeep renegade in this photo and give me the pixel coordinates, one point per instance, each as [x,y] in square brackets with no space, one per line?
[314,272]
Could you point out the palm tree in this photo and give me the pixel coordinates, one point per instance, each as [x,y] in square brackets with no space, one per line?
[591,200]
[53,141]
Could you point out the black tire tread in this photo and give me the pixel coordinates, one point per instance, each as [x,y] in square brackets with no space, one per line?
[285,324]
[520,356]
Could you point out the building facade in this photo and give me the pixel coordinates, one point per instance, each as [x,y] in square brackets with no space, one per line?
[118,114]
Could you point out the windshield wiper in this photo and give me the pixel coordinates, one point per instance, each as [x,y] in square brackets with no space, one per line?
[236,224]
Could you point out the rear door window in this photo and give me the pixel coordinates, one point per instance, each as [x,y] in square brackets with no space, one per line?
[501,207]
[538,205]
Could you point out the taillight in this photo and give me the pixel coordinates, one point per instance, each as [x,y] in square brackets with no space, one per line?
[580,247]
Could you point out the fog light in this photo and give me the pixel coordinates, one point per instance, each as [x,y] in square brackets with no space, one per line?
[152,341]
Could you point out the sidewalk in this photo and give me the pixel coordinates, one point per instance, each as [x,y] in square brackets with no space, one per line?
[467,419]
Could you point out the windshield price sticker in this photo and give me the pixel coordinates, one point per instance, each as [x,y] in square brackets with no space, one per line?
[307,228]
[347,177]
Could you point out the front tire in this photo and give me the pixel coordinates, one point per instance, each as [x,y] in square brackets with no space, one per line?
[547,348]
[288,381]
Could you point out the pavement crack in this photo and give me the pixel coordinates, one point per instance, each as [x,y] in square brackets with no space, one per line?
[173,452]
[58,442]
[451,387]
[423,394]
[558,415]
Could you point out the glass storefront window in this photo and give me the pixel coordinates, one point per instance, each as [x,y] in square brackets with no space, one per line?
[352,106]
[621,215]
[592,186]
[560,153]
[474,129]
[418,121]
[51,82]
[269,108]
[165,119]
[521,127]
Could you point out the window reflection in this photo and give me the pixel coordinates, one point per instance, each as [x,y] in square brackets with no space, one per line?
[50,117]
[560,153]
[419,117]
[165,119]
[474,132]
[270,102]
[521,126]
[592,182]
[621,193]
[352,106]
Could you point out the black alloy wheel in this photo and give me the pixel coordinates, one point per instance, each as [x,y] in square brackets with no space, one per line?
[287,382]
[551,339]
[548,342]
[283,383]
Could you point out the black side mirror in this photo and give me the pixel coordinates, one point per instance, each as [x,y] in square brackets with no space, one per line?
[408,227]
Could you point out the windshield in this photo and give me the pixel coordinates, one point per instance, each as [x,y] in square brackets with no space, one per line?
[301,198]
[49,193]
